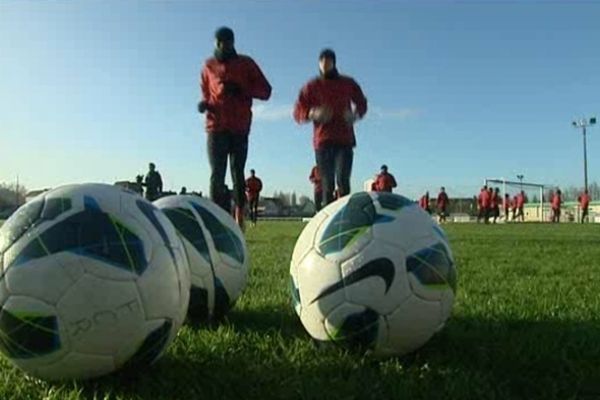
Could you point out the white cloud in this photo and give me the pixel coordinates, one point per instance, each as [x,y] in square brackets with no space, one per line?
[272,112]
[280,112]
[401,114]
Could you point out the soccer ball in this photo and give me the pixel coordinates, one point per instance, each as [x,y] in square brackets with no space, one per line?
[373,271]
[94,278]
[216,252]
[195,241]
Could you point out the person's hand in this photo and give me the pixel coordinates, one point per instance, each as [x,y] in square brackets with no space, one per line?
[320,114]
[232,88]
[350,117]
[203,106]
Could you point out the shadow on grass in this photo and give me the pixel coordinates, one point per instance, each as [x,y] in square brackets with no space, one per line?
[268,320]
[527,357]
[282,321]
[470,358]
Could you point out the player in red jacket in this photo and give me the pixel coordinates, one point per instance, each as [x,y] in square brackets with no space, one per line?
[514,206]
[315,179]
[483,201]
[520,200]
[384,181]
[442,204]
[229,81]
[556,203]
[584,203]
[495,204]
[253,188]
[506,206]
[333,103]
[424,202]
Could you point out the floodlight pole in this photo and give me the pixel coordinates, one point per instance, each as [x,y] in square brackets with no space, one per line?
[583,124]
[585,176]
[520,178]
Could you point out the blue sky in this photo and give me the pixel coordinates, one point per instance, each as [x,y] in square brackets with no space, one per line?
[458,91]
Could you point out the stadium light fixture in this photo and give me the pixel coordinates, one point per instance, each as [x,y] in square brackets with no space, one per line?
[520,178]
[583,124]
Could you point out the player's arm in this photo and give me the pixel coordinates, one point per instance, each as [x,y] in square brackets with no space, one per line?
[303,105]
[204,104]
[257,85]
[359,100]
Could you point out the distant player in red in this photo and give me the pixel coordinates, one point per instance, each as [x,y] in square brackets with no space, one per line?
[506,206]
[484,205]
[520,203]
[315,179]
[253,189]
[584,203]
[550,198]
[556,202]
[424,202]
[442,204]
[384,182]
[514,206]
[495,203]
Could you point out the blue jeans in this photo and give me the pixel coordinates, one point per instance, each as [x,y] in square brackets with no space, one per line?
[335,166]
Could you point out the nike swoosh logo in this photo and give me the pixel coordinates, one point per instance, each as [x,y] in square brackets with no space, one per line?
[433,266]
[380,267]
[350,222]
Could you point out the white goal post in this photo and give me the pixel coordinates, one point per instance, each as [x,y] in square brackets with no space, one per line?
[522,185]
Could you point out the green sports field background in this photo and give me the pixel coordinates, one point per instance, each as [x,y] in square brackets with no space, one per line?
[526,325]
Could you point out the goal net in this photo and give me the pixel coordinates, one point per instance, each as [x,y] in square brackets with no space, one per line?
[535,193]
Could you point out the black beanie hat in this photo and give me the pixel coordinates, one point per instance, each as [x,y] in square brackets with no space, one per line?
[327,53]
[224,34]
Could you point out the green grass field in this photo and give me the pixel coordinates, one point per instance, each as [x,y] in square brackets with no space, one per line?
[526,324]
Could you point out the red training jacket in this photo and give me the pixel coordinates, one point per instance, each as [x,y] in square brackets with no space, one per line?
[315,178]
[494,200]
[424,202]
[556,201]
[442,200]
[506,203]
[385,182]
[253,187]
[232,113]
[484,199]
[337,94]
[520,200]
[584,200]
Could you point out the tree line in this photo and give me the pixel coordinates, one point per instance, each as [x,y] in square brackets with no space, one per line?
[12,194]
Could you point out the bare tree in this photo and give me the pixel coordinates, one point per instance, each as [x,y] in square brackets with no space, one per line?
[293,200]
[302,200]
[12,194]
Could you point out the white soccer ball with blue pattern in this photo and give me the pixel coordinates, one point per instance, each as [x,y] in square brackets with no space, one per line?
[373,271]
[216,252]
[94,278]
